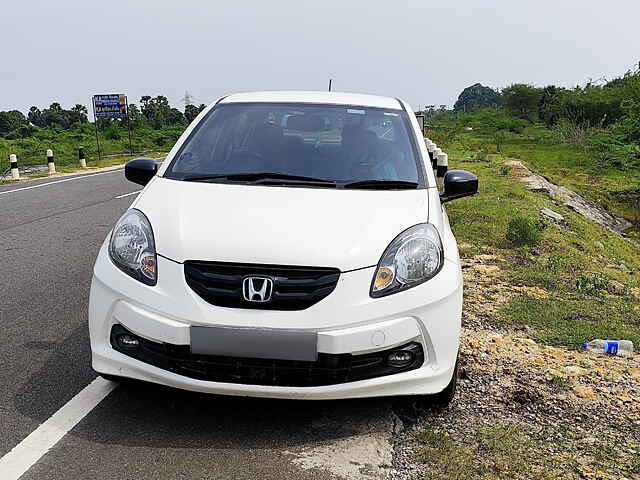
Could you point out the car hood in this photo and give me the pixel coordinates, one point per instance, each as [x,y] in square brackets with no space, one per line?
[345,229]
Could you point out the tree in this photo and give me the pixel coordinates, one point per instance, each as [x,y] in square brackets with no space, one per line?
[522,100]
[550,107]
[78,114]
[11,120]
[191,111]
[477,96]
[35,117]
[135,116]
[159,113]
[175,117]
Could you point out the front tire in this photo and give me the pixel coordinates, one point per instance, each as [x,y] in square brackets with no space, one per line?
[444,398]
[411,405]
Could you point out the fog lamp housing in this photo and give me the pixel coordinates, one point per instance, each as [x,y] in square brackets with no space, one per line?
[400,358]
[128,342]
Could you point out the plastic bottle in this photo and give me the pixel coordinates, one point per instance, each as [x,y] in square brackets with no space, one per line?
[623,348]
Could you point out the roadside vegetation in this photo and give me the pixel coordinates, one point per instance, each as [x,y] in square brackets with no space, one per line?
[590,276]
[155,127]
[531,403]
[586,138]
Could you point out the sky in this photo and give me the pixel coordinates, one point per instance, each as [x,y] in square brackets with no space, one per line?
[423,51]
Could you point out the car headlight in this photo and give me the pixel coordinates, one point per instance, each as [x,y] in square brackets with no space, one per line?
[412,258]
[132,247]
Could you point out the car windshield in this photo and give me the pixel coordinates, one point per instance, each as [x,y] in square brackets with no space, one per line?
[341,146]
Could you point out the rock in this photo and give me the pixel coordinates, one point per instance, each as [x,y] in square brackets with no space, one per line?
[600,245]
[574,370]
[535,292]
[485,257]
[486,269]
[616,288]
[555,216]
[584,392]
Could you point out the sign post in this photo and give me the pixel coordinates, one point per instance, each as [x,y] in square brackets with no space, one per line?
[112,105]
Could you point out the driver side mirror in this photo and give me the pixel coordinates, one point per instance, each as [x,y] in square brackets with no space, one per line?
[458,184]
[140,170]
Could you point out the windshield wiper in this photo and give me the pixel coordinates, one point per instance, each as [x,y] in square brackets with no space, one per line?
[264,177]
[382,185]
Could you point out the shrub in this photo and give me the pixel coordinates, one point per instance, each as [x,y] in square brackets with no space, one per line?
[481,155]
[499,138]
[568,131]
[523,231]
[505,170]
[612,151]
[593,284]
[112,133]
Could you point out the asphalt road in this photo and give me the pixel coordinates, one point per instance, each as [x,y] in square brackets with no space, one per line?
[49,238]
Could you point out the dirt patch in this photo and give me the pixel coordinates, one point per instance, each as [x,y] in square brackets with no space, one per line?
[364,452]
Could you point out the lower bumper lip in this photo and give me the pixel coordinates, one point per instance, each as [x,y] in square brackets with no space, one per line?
[327,369]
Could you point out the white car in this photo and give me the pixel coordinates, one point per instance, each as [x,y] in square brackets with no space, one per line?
[291,245]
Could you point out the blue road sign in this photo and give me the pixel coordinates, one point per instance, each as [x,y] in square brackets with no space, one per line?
[112,105]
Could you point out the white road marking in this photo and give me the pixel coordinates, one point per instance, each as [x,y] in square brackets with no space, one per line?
[60,181]
[24,455]
[127,194]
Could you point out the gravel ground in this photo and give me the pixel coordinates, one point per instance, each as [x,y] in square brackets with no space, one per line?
[558,413]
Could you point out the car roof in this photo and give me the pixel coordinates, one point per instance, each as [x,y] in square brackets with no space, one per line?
[332,98]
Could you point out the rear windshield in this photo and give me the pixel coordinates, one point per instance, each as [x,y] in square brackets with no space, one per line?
[343,144]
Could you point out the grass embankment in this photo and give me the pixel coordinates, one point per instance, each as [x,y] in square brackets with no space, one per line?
[64,143]
[573,165]
[534,408]
[576,261]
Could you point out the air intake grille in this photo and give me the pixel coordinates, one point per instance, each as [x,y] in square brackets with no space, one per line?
[329,369]
[294,288]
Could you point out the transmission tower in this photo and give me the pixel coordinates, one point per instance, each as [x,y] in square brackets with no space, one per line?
[187,99]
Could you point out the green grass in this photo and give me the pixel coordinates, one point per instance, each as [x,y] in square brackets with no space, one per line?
[485,453]
[65,143]
[570,165]
[566,255]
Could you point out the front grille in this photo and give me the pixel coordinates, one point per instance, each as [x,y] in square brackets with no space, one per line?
[294,288]
[328,369]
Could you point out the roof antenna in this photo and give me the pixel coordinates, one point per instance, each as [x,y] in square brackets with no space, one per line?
[330,84]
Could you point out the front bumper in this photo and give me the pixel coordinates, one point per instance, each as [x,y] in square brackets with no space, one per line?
[346,322]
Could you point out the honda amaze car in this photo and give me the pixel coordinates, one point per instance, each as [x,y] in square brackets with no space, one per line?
[291,245]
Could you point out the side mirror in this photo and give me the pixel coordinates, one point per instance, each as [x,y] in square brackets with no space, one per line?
[140,170]
[458,184]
